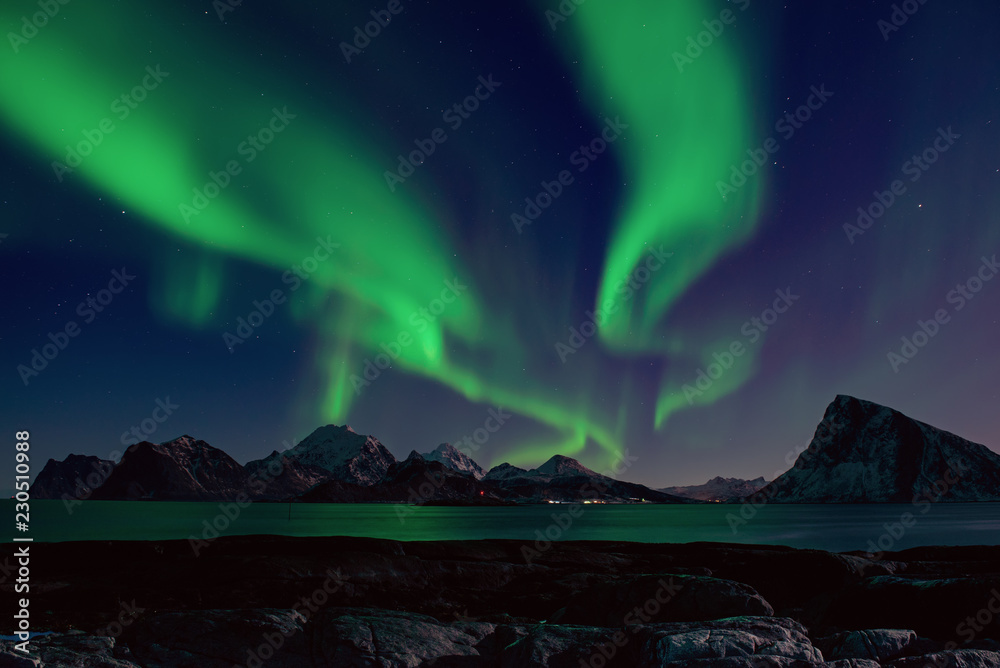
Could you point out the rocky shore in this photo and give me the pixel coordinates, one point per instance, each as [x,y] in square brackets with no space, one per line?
[351,602]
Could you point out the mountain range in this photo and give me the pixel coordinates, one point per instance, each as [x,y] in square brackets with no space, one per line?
[333,464]
[861,453]
[718,489]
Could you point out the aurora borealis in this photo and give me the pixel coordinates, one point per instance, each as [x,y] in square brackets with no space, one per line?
[488,207]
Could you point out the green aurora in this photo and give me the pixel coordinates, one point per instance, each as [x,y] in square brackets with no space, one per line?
[322,178]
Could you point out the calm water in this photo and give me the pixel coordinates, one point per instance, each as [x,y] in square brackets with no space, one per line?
[833,527]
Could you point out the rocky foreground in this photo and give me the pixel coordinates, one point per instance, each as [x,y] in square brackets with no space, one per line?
[349,602]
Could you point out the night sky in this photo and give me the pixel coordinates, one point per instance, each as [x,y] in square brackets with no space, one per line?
[684,188]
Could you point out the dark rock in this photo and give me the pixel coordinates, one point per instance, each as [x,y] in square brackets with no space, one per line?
[341,452]
[455,459]
[390,638]
[719,489]
[963,658]
[903,602]
[413,481]
[68,650]
[878,644]
[504,471]
[278,477]
[866,453]
[220,639]
[478,599]
[674,644]
[626,601]
[75,477]
[184,469]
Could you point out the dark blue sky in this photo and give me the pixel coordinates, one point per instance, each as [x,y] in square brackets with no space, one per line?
[635,385]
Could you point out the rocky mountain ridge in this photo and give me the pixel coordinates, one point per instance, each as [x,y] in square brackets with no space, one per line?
[861,453]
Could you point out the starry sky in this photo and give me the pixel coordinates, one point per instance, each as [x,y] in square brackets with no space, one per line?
[672,229]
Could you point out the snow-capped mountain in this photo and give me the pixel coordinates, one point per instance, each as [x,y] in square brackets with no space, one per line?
[555,466]
[719,489]
[566,480]
[504,471]
[340,452]
[415,480]
[559,465]
[863,452]
[455,459]
[182,469]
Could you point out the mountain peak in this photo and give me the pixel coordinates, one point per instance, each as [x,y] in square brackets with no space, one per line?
[329,431]
[183,441]
[718,489]
[864,452]
[505,471]
[455,459]
[184,468]
[75,477]
[341,451]
[562,465]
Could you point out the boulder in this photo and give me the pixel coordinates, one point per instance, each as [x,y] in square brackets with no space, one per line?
[877,644]
[624,601]
[367,637]
[756,637]
[220,639]
[68,650]
[962,658]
